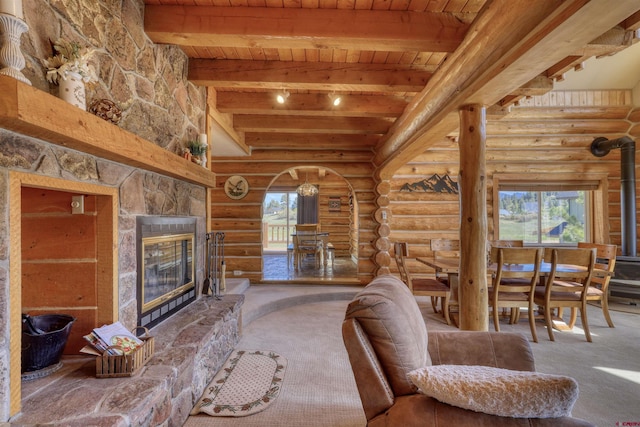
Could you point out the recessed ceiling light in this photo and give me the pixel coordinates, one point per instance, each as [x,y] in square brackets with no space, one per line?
[281,97]
[335,99]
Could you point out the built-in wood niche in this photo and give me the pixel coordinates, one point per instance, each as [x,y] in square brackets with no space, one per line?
[59,259]
[60,262]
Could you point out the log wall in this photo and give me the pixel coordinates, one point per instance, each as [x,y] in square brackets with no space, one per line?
[543,134]
[335,222]
[267,169]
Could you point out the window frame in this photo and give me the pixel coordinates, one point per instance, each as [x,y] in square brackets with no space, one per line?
[597,207]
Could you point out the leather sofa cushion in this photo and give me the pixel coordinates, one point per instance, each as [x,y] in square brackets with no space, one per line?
[388,314]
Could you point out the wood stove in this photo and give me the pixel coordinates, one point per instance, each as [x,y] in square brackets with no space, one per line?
[626,280]
[166,266]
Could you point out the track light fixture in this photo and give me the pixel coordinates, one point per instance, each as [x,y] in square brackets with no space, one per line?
[281,97]
[335,99]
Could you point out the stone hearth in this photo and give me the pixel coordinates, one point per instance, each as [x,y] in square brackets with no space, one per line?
[190,348]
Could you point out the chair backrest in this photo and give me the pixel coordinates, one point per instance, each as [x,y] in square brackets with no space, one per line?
[605,261]
[306,228]
[308,242]
[507,243]
[307,235]
[400,252]
[516,263]
[578,269]
[445,248]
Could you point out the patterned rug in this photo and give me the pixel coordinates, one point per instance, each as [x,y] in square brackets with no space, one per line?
[248,382]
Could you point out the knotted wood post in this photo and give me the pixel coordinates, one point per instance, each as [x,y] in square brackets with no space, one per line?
[474,309]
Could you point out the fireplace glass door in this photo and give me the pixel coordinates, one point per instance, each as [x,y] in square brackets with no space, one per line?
[168,268]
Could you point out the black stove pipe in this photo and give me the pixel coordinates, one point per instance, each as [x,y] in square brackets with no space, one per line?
[600,147]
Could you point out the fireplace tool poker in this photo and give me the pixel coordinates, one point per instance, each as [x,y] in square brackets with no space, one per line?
[211,285]
[206,286]
[218,264]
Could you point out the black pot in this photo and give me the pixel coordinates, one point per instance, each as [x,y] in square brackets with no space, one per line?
[43,340]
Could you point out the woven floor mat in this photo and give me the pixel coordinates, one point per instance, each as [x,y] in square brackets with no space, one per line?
[248,382]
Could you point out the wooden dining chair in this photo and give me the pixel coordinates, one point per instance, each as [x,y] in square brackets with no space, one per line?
[421,285]
[599,288]
[307,228]
[445,248]
[566,285]
[514,282]
[307,245]
[506,243]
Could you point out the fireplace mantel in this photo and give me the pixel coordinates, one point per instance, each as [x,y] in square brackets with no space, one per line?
[32,112]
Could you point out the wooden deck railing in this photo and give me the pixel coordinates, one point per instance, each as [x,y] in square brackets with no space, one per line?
[276,234]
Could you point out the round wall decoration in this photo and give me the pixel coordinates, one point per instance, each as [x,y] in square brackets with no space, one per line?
[236,187]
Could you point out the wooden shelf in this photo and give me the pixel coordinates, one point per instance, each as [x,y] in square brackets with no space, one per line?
[32,112]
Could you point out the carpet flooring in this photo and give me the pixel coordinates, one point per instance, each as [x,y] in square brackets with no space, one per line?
[319,389]
[625,305]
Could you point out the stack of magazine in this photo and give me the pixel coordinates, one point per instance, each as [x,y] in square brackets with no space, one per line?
[114,335]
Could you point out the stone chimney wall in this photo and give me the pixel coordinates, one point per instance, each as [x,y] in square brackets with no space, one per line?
[147,81]
[149,84]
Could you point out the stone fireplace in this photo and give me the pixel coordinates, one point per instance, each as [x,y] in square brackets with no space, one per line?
[128,170]
[108,289]
[176,374]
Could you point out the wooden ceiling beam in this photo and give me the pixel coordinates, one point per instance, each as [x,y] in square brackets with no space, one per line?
[539,85]
[225,121]
[498,112]
[509,44]
[327,76]
[568,112]
[303,28]
[556,127]
[296,141]
[632,22]
[220,125]
[610,42]
[311,103]
[311,124]
[564,65]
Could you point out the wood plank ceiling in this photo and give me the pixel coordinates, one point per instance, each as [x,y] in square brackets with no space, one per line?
[402,67]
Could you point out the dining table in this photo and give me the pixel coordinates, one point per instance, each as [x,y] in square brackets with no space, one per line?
[451,267]
[447,265]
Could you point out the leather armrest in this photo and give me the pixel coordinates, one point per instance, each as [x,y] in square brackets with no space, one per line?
[497,349]
[375,392]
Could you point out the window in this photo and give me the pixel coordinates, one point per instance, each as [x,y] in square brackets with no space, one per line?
[550,209]
[544,217]
[278,219]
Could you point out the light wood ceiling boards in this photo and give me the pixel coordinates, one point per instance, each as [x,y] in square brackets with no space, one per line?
[403,68]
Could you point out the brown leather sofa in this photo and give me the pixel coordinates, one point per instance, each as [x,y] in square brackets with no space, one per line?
[386,337]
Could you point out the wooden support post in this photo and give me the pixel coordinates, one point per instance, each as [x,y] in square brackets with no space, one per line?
[474,309]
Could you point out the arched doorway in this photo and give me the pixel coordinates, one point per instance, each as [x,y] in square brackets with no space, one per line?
[336,214]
